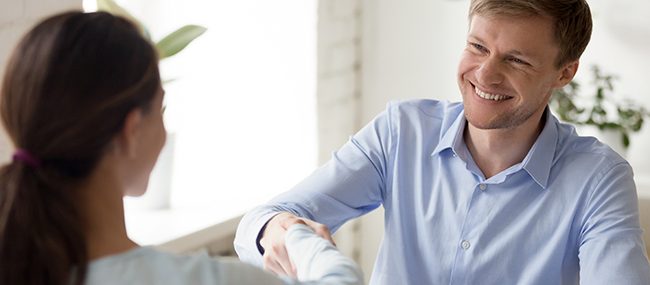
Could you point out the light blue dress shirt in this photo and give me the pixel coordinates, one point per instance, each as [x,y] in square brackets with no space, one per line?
[567,214]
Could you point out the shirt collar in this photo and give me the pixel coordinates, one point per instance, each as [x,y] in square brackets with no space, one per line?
[537,162]
[540,158]
[453,136]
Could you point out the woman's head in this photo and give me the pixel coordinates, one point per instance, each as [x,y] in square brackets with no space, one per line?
[77,87]
[71,83]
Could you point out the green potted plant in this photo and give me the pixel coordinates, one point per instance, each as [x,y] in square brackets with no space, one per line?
[599,110]
[169,45]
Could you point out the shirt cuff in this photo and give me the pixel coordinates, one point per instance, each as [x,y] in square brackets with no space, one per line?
[267,218]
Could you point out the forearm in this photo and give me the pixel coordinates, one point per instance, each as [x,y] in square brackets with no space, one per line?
[349,185]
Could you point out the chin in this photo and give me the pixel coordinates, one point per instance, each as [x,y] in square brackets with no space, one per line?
[136,191]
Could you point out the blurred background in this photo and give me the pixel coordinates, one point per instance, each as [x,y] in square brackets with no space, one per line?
[273,87]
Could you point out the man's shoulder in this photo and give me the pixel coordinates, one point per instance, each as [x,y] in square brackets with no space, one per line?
[585,151]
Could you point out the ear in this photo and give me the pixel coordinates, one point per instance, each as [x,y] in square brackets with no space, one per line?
[567,72]
[127,139]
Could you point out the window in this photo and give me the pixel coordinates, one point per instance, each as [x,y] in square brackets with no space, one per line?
[240,111]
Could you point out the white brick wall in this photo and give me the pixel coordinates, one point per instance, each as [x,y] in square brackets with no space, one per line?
[338,73]
[339,92]
[16,17]
[37,9]
[11,11]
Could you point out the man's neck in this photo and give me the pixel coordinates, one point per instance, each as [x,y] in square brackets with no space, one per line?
[495,150]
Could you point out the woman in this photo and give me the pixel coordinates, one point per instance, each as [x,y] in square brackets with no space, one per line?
[82,103]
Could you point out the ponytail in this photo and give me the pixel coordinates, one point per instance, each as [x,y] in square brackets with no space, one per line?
[41,237]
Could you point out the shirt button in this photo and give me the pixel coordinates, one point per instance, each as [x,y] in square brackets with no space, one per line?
[465,244]
[482,186]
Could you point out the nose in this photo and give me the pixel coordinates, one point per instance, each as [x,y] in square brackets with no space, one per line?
[489,72]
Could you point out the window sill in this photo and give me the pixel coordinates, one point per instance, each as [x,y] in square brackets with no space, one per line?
[180,230]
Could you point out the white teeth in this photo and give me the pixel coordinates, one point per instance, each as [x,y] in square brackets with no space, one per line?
[489,96]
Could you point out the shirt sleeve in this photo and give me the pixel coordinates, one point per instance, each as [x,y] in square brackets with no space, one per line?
[318,261]
[612,249]
[350,184]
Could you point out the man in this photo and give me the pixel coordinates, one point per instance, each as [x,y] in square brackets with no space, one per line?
[491,191]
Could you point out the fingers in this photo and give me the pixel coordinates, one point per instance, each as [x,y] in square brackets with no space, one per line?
[320,230]
[287,220]
[275,255]
[272,263]
[278,258]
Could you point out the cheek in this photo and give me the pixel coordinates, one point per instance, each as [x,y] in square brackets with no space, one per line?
[465,64]
[540,88]
[163,133]
[163,140]
[464,73]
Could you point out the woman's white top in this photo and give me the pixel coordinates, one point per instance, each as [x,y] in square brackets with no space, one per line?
[317,262]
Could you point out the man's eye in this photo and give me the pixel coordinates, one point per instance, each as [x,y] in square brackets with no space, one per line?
[479,47]
[518,61]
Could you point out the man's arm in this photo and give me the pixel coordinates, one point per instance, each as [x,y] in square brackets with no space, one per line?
[612,249]
[351,184]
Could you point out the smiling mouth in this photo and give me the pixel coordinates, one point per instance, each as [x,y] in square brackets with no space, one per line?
[490,96]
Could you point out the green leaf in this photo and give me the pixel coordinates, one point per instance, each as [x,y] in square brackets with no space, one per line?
[628,118]
[168,80]
[178,40]
[112,7]
[610,125]
[636,126]
[626,140]
[600,94]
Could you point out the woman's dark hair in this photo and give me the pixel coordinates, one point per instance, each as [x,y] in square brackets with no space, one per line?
[68,87]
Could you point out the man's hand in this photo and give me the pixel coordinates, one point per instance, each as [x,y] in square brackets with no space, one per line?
[275,255]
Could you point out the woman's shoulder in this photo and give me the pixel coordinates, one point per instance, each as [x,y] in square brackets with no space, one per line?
[147,265]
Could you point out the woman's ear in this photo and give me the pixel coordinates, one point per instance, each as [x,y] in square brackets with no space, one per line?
[567,73]
[128,138]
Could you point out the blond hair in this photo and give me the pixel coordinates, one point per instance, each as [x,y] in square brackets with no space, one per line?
[571,20]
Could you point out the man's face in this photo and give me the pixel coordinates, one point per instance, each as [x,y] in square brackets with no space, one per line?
[507,71]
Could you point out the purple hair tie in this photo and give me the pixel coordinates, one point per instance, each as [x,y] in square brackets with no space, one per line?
[26,157]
